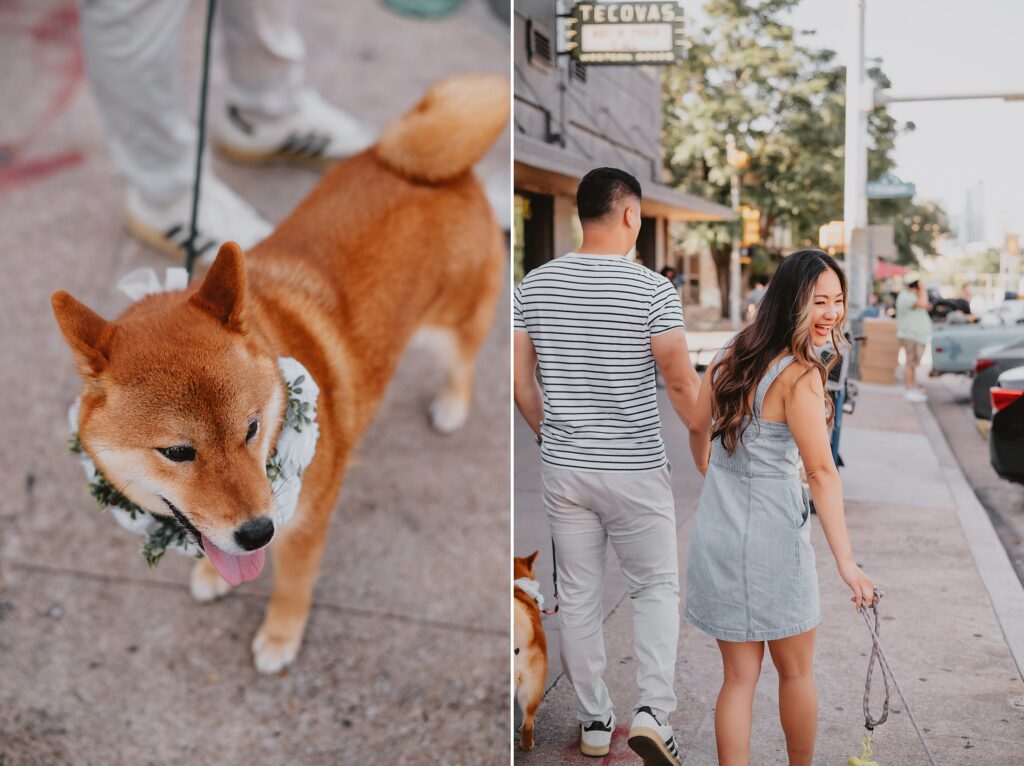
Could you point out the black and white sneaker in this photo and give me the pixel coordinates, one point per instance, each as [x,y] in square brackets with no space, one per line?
[223,216]
[596,737]
[652,740]
[317,133]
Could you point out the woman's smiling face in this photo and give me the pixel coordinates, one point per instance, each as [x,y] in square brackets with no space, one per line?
[828,308]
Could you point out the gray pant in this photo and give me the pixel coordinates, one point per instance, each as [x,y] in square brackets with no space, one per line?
[133,56]
[636,511]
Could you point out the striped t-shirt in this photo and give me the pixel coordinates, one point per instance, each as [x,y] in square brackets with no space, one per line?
[591,318]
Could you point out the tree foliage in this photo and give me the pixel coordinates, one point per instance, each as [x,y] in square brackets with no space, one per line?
[751,73]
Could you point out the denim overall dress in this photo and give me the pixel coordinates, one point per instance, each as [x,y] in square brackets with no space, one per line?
[750,575]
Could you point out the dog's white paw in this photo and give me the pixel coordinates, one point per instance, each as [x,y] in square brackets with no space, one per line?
[272,653]
[448,413]
[205,584]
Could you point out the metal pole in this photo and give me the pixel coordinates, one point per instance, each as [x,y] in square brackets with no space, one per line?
[734,256]
[734,259]
[855,203]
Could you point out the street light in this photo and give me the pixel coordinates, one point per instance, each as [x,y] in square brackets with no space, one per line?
[738,160]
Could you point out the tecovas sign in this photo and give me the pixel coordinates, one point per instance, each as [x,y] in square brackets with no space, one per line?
[625,33]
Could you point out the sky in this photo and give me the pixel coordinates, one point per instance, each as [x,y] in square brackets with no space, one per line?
[950,46]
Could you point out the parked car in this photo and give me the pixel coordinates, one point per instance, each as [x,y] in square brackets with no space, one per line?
[956,347]
[992,361]
[1006,437]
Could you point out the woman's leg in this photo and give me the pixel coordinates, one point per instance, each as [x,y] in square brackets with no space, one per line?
[798,699]
[741,663]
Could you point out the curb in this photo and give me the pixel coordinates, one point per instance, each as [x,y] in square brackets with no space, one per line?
[1005,590]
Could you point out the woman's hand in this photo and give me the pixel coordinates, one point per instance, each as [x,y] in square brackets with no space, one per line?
[861,585]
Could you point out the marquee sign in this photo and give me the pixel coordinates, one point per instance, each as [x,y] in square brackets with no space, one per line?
[626,33]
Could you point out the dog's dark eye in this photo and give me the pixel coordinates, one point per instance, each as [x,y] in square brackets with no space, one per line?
[253,428]
[179,453]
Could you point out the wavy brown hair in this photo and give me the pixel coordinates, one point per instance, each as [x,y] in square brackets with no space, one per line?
[783,324]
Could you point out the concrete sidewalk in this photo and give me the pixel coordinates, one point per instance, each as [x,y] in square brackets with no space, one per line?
[911,524]
[405,659]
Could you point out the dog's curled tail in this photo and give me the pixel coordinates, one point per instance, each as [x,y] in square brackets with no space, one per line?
[449,129]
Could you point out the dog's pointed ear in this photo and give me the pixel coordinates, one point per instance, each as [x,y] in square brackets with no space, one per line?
[222,293]
[86,332]
[530,559]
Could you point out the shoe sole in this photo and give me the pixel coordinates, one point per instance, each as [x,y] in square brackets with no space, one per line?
[648,744]
[159,242]
[594,752]
[250,157]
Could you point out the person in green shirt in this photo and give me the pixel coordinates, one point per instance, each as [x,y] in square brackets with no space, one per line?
[913,328]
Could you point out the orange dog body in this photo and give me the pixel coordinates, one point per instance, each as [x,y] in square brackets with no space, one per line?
[530,649]
[183,399]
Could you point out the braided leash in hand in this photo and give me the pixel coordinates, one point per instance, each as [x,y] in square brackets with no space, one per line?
[877,655]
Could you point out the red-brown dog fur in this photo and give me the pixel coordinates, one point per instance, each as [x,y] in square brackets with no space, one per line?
[530,649]
[397,238]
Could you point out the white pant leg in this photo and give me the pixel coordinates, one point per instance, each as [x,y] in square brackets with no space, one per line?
[265,55]
[133,56]
[638,511]
[580,554]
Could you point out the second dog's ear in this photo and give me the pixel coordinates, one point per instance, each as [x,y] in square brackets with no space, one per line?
[86,332]
[530,559]
[222,293]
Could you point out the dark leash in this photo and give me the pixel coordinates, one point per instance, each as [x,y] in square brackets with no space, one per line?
[554,579]
[190,244]
[877,655]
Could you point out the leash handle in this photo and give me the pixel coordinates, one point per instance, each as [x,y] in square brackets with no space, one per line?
[554,579]
[875,629]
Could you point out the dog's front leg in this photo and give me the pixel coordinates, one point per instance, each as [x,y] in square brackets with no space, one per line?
[297,551]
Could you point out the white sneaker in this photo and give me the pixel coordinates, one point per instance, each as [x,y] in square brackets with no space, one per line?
[652,740]
[596,737]
[915,396]
[316,133]
[223,216]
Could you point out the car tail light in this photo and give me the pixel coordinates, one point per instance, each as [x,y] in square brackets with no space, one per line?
[1004,397]
[982,364]
[938,349]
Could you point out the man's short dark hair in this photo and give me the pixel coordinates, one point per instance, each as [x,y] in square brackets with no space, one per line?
[600,189]
[913,283]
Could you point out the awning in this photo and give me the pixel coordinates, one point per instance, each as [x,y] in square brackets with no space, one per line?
[884,270]
[549,169]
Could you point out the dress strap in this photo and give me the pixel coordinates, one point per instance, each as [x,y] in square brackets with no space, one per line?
[769,377]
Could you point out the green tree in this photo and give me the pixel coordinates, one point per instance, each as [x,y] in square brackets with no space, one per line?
[749,73]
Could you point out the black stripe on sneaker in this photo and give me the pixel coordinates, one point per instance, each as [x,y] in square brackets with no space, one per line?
[169,234]
[236,117]
[598,726]
[670,743]
[289,145]
[205,246]
[319,144]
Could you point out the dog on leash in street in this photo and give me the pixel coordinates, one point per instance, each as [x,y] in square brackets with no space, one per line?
[183,399]
[530,648]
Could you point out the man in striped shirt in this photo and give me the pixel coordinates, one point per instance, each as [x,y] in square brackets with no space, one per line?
[595,324]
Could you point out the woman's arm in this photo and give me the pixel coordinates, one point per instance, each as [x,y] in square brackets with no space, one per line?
[805,408]
[700,425]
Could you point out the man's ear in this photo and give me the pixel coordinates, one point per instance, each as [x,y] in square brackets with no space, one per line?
[222,293]
[86,332]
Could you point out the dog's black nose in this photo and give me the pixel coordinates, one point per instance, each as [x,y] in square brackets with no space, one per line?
[255,533]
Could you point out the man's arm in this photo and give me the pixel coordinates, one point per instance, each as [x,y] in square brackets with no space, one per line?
[525,389]
[681,380]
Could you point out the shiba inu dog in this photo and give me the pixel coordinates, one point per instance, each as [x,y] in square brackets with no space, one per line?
[530,647]
[183,400]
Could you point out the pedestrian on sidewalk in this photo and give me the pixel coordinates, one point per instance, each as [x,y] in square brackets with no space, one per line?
[913,329]
[133,56]
[595,323]
[750,575]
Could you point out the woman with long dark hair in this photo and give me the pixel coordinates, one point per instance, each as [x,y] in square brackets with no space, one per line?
[751,580]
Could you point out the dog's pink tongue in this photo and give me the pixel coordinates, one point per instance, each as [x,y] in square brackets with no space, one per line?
[234,569]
